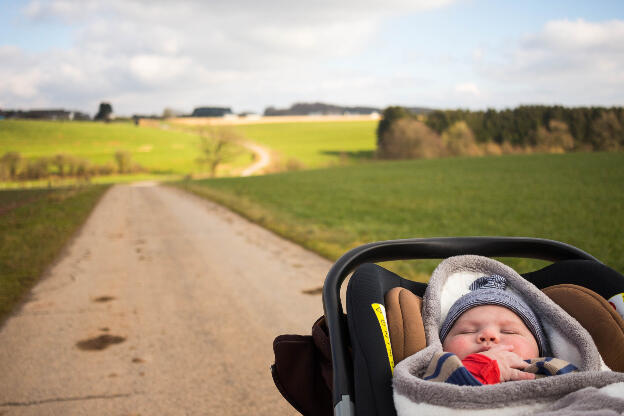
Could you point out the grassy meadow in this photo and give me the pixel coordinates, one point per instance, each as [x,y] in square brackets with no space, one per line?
[161,152]
[34,227]
[316,144]
[576,198]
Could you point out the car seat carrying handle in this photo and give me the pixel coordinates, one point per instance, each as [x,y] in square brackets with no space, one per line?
[416,248]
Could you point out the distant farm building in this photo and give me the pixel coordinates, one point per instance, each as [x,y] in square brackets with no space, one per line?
[211,112]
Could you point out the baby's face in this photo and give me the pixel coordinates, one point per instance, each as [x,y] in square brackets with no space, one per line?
[480,328]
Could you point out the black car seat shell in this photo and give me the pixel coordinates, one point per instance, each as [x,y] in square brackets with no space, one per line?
[354,392]
[370,284]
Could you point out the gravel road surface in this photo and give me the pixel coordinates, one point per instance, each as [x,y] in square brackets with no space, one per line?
[164,304]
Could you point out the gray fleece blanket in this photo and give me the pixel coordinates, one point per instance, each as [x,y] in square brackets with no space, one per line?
[558,395]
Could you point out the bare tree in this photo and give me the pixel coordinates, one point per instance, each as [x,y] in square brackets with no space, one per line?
[11,162]
[555,139]
[123,158]
[407,138]
[217,145]
[60,160]
[607,132]
[460,141]
[169,112]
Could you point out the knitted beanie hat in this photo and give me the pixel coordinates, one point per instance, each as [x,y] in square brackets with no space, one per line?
[491,290]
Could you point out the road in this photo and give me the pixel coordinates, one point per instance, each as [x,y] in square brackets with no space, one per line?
[164,304]
[263,159]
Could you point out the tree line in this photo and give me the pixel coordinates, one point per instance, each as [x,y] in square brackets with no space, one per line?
[522,129]
[14,167]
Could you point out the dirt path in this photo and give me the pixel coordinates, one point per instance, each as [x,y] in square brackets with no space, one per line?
[164,304]
[263,159]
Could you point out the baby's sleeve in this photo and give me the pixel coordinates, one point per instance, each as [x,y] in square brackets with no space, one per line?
[482,368]
[446,367]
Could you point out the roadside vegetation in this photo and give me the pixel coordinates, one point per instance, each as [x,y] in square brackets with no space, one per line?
[60,167]
[576,198]
[35,225]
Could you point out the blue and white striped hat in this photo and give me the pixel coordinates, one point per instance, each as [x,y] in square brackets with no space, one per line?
[491,290]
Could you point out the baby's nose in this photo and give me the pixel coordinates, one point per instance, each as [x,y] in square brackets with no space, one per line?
[484,338]
[488,336]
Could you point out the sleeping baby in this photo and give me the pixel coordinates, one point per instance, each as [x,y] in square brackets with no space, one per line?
[490,335]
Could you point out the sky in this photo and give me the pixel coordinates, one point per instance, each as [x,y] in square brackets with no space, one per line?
[143,56]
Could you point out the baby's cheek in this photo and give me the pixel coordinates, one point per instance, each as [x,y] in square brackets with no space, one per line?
[524,348]
[459,346]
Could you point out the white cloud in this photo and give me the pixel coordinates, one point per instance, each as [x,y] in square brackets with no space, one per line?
[155,69]
[22,84]
[144,55]
[568,62]
[468,88]
[580,35]
[477,54]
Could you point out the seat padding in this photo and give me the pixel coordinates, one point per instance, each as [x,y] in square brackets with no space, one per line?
[599,318]
[407,333]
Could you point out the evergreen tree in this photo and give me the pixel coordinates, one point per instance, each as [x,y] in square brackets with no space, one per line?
[389,116]
[105,112]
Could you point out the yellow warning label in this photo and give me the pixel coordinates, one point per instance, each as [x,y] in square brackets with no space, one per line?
[380,312]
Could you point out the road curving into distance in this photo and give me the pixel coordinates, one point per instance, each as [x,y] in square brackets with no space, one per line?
[262,162]
[164,304]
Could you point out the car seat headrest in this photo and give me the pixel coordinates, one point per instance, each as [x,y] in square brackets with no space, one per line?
[600,319]
[407,332]
[593,312]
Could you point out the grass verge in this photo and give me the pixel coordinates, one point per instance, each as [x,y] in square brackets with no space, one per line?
[34,227]
[575,198]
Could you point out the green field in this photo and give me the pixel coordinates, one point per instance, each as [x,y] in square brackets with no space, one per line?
[575,198]
[168,152]
[34,227]
[316,144]
[161,152]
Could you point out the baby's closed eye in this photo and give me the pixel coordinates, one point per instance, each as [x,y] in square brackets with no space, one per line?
[466,330]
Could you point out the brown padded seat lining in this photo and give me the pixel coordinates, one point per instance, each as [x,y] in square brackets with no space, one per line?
[605,325]
[592,311]
[407,332]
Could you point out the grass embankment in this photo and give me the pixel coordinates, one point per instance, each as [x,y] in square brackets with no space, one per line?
[162,153]
[575,198]
[316,144]
[34,227]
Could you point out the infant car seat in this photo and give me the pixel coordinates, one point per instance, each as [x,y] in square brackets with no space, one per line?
[383,323]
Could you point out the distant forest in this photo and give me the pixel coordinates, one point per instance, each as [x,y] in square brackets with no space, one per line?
[525,128]
[304,109]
